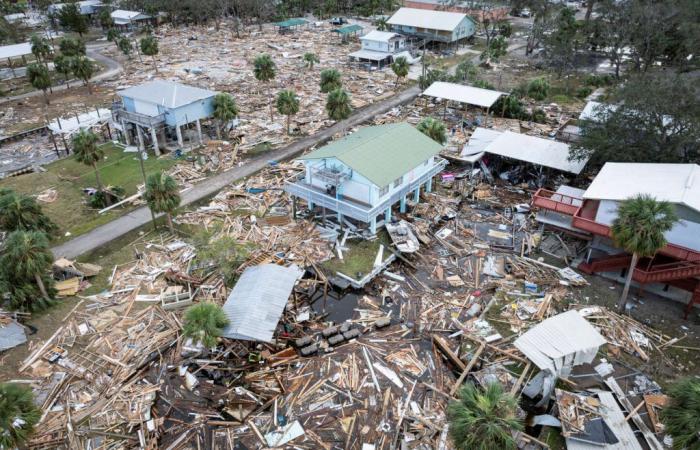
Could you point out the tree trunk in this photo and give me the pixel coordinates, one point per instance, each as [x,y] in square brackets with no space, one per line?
[155,65]
[97,177]
[589,9]
[46,97]
[272,112]
[219,126]
[170,222]
[87,83]
[289,117]
[42,288]
[623,298]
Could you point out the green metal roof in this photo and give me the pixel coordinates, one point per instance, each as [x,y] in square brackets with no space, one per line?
[348,29]
[381,153]
[292,23]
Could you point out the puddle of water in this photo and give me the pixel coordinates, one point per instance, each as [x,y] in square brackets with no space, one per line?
[338,305]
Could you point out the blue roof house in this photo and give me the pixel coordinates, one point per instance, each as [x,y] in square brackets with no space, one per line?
[161,107]
[363,175]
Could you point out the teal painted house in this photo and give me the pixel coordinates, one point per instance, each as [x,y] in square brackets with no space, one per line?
[364,175]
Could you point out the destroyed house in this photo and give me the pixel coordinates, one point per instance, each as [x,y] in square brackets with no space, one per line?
[161,108]
[129,19]
[440,26]
[364,174]
[675,269]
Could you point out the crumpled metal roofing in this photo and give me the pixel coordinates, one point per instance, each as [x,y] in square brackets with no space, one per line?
[561,342]
[12,335]
[256,303]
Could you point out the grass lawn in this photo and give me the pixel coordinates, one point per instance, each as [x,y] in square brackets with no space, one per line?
[68,177]
[359,259]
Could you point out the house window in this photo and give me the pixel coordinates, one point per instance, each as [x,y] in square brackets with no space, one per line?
[398,181]
[383,191]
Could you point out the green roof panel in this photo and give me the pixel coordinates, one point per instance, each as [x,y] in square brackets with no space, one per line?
[292,23]
[381,153]
[348,29]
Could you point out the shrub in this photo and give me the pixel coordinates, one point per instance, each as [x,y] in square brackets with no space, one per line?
[538,89]
[584,92]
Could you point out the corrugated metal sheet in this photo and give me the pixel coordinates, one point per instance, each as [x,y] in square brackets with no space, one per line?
[11,335]
[381,153]
[256,303]
[561,342]
[15,50]
[464,94]
[542,152]
[612,414]
[381,36]
[422,18]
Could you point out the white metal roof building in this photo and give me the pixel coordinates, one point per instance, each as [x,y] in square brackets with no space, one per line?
[561,342]
[15,50]
[124,17]
[431,20]
[86,7]
[380,36]
[166,93]
[256,303]
[675,183]
[470,95]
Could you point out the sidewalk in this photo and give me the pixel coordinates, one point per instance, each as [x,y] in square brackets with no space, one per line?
[139,217]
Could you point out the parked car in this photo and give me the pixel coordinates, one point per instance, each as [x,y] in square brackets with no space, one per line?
[339,21]
[525,12]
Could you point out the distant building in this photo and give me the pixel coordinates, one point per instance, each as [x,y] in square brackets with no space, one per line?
[591,213]
[86,7]
[439,26]
[491,11]
[129,19]
[380,47]
[363,175]
[161,107]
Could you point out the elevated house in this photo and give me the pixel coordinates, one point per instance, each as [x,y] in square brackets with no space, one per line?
[161,108]
[364,175]
[675,269]
[380,47]
[130,19]
[433,26]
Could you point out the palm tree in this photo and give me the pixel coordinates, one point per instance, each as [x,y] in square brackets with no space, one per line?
[204,322]
[682,416]
[400,67]
[287,105]
[40,48]
[149,47]
[338,105]
[39,78]
[87,152]
[125,46]
[330,80]
[310,59]
[639,229]
[162,196]
[18,415]
[265,71]
[483,420]
[71,46]
[113,35]
[27,255]
[22,212]
[225,110]
[381,24]
[434,129]
[64,66]
[84,69]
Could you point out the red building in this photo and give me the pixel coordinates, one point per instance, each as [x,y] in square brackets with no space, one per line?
[589,214]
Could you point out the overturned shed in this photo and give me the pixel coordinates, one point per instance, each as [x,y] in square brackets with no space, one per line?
[256,303]
[561,342]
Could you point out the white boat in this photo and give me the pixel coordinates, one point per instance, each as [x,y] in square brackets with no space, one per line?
[403,237]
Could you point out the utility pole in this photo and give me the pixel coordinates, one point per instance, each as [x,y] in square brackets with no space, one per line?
[143,172]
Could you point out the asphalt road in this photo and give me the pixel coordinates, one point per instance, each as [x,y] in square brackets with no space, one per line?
[139,217]
[112,69]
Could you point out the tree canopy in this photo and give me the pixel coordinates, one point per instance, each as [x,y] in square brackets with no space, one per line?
[338,105]
[204,323]
[434,129]
[18,415]
[162,195]
[23,213]
[682,416]
[330,80]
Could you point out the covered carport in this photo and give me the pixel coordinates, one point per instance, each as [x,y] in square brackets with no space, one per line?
[9,52]
[467,95]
